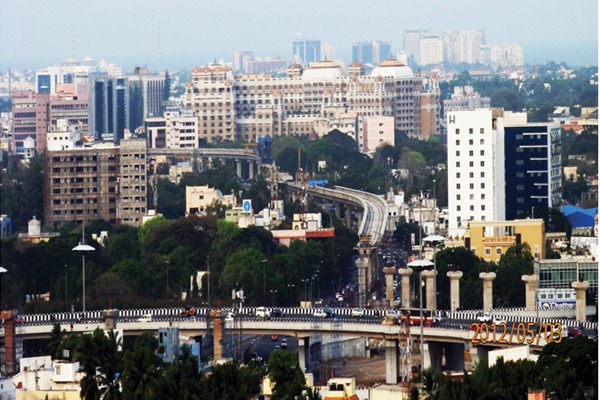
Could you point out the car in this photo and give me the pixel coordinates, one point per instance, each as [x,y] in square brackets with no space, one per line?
[145,318]
[263,312]
[498,320]
[277,312]
[277,347]
[284,343]
[484,317]
[230,316]
[274,338]
[574,332]
[358,312]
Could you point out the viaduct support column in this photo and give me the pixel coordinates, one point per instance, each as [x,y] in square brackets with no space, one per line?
[389,284]
[217,319]
[250,170]
[362,264]
[238,168]
[580,288]
[405,273]
[303,351]
[391,361]
[530,285]
[348,218]
[338,210]
[110,318]
[488,296]
[454,289]
[430,288]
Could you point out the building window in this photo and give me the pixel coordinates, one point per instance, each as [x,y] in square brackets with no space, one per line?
[471,186]
[482,163]
[470,175]
[471,153]
[458,185]
[471,196]
[458,142]
[470,142]
[470,163]
[481,142]
[482,153]
[481,130]
[482,185]
[483,207]
[458,174]
[482,196]
[487,251]
[458,197]
[457,153]
[458,163]
[457,131]
[457,208]
[498,251]
[482,174]
[470,131]
[520,200]
[472,207]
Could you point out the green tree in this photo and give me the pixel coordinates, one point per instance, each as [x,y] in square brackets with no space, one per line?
[182,377]
[508,287]
[286,375]
[142,376]
[56,337]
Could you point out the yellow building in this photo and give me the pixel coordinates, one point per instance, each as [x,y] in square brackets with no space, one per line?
[490,239]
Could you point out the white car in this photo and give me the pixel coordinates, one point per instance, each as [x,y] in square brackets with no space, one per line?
[499,320]
[358,312]
[263,312]
[320,314]
[145,318]
[485,317]
[229,317]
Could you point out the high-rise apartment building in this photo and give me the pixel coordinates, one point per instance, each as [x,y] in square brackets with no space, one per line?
[412,46]
[103,181]
[174,130]
[247,107]
[147,95]
[502,55]
[47,80]
[29,119]
[499,166]
[306,51]
[431,49]
[240,59]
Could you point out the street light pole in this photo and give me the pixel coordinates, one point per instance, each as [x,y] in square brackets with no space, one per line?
[167,264]
[208,281]
[66,283]
[264,263]
[290,286]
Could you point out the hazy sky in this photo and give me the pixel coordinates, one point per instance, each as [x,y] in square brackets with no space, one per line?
[189,33]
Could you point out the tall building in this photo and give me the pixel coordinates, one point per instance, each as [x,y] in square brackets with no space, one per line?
[431,49]
[102,181]
[117,104]
[306,51]
[502,55]
[174,130]
[147,94]
[47,80]
[499,166]
[328,52]
[248,107]
[30,119]
[463,98]
[240,59]
[371,52]
[108,106]
[533,167]
[412,46]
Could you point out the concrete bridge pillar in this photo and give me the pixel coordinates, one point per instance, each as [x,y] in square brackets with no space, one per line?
[389,284]
[110,318]
[430,288]
[455,356]
[580,288]
[454,289]
[362,264]
[432,355]
[530,285]
[348,217]
[405,273]
[338,210]
[303,352]
[250,170]
[391,361]
[218,325]
[474,355]
[488,297]
[238,168]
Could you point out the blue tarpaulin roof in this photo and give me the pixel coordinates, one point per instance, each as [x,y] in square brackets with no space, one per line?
[578,217]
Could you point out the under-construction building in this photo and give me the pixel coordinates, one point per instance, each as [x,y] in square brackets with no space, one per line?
[103,181]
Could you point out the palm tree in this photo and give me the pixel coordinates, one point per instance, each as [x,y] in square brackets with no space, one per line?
[183,376]
[142,378]
[56,337]
[313,394]
[112,365]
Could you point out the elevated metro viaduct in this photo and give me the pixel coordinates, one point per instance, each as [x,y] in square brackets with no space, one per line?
[247,164]
[372,214]
[439,343]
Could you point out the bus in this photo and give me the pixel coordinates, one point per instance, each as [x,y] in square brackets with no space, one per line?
[556,298]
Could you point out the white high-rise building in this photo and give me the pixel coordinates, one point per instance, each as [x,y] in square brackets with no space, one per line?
[412,46]
[502,55]
[328,52]
[475,168]
[431,49]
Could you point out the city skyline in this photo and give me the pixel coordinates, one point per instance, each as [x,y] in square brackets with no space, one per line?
[142,32]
